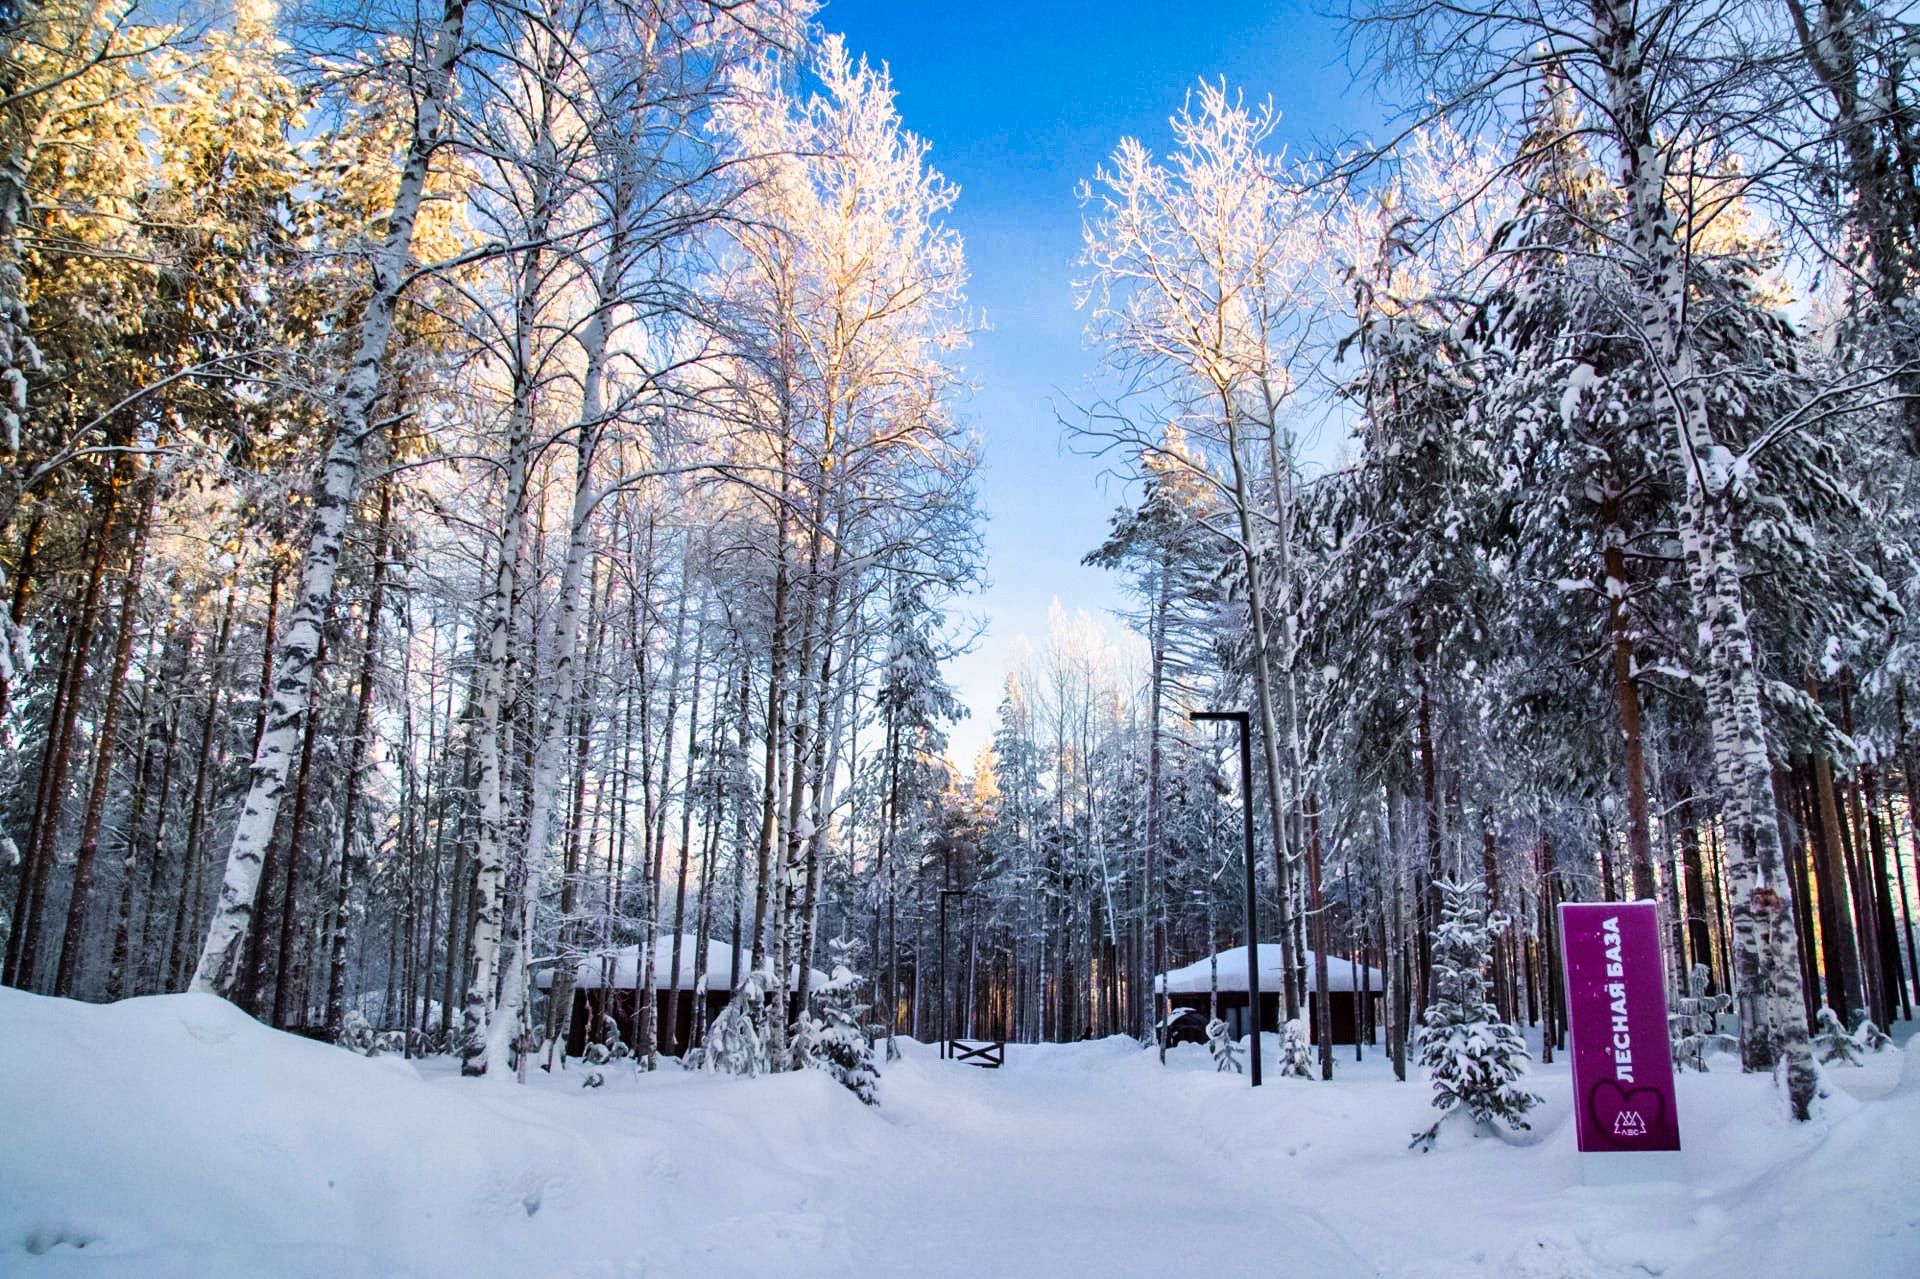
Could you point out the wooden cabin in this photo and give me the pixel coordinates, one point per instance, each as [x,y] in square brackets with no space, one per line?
[606,984]
[1347,984]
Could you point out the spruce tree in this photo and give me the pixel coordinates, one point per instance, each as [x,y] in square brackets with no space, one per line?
[1473,1058]
[836,1040]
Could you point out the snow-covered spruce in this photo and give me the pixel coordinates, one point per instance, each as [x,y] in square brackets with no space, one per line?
[1473,1058]
[1226,1053]
[835,1041]
[1837,1046]
[1693,1025]
[1296,1050]
[736,1043]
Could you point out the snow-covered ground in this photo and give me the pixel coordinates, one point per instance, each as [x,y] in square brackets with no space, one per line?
[173,1136]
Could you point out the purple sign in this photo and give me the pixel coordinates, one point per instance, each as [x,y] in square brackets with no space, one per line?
[1617,1020]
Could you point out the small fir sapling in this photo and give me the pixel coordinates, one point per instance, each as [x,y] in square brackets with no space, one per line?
[1835,1045]
[1296,1049]
[803,1041]
[736,1045]
[1870,1037]
[836,1042]
[356,1034]
[610,1039]
[594,1079]
[1473,1058]
[1226,1053]
[1692,1025]
[1831,1040]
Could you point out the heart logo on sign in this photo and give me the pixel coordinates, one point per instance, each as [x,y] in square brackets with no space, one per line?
[1629,1114]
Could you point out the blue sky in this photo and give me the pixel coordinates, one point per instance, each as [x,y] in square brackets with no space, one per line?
[1021,101]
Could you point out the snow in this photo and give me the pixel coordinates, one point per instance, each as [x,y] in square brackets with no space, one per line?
[1580,380]
[1194,979]
[591,973]
[172,1136]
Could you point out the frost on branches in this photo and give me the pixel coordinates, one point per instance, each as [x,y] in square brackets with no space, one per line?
[1473,1058]
[1693,1025]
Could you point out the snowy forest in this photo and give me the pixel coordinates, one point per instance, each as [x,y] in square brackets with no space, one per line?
[489,488]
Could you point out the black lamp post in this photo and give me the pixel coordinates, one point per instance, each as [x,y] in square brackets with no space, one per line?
[946,1016]
[1253,916]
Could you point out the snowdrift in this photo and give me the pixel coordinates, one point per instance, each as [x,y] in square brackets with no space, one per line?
[174,1136]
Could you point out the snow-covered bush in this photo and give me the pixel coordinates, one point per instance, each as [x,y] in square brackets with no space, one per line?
[1691,1026]
[1473,1058]
[736,1043]
[597,1054]
[1838,1046]
[1830,1038]
[1296,1050]
[803,1041]
[1226,1053]
[356,1033]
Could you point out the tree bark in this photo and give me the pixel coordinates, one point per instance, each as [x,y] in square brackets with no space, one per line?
[354,426]
[78,904]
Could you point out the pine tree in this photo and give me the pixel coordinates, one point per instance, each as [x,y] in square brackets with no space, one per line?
[1473,1058]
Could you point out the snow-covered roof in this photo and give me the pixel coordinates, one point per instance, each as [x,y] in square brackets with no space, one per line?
[1194,979]
[623,973]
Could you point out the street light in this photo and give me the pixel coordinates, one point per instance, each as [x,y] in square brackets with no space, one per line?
[1253,917]
[946,1015]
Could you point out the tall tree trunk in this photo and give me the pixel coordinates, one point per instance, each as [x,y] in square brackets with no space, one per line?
[1626,696]
[1769,992]
[1836,913]
[153,728]
[1322,996]
[192,857]
[78,904]
[357,747]
[37,865]
[1278,787]
[670,1030]
[354,427]
[284,977]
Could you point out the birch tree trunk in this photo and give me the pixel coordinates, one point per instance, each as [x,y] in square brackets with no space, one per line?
[332,503]
[1773,1032]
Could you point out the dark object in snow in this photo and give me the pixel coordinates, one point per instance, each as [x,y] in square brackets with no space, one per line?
[990,1053]
[1185,1026]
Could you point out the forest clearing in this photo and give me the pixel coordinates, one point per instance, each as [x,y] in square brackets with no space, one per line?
[1083,1158]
